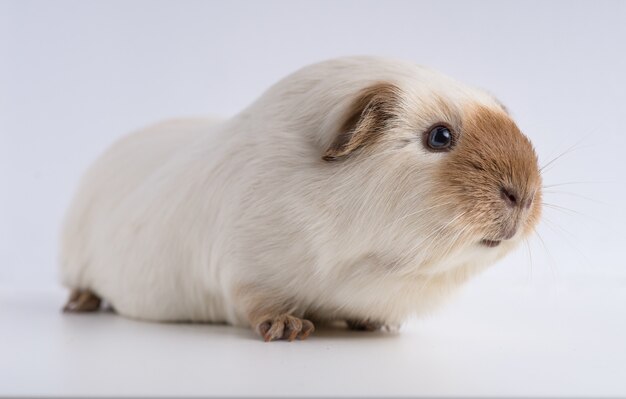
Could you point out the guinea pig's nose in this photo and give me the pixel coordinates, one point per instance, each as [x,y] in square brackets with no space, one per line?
[512,199]
[509,196]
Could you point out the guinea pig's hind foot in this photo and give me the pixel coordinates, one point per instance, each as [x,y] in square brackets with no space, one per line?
[82,301]
[286,327]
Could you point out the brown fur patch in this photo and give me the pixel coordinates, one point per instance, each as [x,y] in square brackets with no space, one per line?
[493,155]
[366,120]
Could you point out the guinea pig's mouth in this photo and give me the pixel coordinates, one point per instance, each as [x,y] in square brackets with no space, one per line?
[490,243]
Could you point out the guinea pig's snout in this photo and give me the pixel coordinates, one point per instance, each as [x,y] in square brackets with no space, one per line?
[516,203]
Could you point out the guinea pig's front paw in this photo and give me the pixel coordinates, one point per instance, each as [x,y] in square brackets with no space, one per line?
[284,327]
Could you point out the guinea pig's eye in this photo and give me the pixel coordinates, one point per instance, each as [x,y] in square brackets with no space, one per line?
[439,138]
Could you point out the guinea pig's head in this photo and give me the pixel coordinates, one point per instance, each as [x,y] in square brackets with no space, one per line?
[442,169]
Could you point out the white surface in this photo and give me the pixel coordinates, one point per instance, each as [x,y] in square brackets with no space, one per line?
[76,75]
[544,341]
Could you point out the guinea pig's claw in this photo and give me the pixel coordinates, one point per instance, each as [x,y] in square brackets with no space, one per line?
[286,327]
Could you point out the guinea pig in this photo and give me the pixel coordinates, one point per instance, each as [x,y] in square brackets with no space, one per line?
[358,189]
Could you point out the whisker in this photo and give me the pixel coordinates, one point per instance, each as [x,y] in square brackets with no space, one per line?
[554,226]
[567,151]
[563,233]
[576,195]
[562,209]
[570,183]
[552,263]
[530,259]
[595,219]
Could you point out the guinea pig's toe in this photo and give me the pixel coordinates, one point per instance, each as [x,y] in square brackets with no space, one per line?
[307,329]
[275,331]
[285,327]
[263,328]
[293,326]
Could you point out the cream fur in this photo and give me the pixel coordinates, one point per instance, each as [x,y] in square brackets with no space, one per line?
[201,220]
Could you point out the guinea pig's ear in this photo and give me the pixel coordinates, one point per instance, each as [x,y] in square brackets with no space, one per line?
[366,120]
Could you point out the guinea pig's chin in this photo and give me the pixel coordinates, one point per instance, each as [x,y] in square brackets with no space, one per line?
[503,240]
[499,245]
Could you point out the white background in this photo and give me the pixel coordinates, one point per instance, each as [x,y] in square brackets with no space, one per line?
[76,75]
